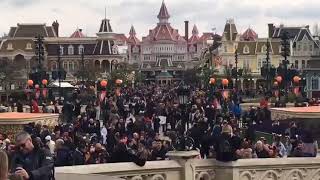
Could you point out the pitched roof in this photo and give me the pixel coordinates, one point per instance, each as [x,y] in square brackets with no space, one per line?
[132,36]
[78,34]
[31,30]
[121,37]
[105,26]
[292,31]
[230,30]
[249,35]
[163,13]
[195,35]
[164,32]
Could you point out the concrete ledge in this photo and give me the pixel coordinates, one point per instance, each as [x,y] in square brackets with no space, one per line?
[121,168]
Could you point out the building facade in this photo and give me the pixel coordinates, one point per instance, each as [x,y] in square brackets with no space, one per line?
[164,54]
[100,55]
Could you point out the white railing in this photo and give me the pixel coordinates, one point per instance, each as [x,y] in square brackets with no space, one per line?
[189,168]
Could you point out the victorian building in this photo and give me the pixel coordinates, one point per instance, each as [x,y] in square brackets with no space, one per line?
[99,54]
[164,54]
[18,49]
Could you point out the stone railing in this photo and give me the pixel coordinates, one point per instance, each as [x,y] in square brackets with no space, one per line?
[186,167]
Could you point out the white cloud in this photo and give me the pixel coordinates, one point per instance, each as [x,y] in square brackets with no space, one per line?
[142,14]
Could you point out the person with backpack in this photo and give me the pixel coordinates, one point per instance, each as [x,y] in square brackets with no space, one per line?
[225,147]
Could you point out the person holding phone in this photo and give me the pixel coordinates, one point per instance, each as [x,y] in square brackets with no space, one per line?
[31,162]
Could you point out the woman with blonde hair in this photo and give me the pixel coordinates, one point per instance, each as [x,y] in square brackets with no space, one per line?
[3,165]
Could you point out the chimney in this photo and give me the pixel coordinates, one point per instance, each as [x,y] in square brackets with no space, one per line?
[80,30]
[55,26]
[186,28]
[270,29]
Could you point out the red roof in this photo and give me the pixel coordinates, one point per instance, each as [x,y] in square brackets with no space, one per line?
[249,35]
[78,34]
[163,13]
[195,35]
[132,36]
[121,37]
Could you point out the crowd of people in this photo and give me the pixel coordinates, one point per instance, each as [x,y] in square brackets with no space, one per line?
[143,124]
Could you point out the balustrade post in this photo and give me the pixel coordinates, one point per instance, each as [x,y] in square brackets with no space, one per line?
[184,158]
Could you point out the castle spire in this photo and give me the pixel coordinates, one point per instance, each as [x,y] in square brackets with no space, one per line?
[132,31]
[163,15]
[195,30]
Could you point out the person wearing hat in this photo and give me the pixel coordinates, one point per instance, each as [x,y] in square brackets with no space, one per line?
[225,147]
[50,144]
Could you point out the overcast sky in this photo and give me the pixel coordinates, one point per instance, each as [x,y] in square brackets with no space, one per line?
[206,14]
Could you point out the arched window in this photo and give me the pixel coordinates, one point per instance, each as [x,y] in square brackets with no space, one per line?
[303,64]
[314,82]
[54,66]
[296,64]
[70,50]
[264,48]
[9,46]
[80,49]
[65,66]
[61,50]
[29,46]
[246,49]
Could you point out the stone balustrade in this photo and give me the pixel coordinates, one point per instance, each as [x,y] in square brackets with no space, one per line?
[187,167]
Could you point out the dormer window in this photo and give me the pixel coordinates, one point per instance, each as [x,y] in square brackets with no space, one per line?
[264,49]
[115,49]
[28,46]
[135,49]
[81,49]
[61,50]
[70,50]
[246,50]
[9,47]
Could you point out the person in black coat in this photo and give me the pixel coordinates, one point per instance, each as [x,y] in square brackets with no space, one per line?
[122,154]
[225,147]
[31,162]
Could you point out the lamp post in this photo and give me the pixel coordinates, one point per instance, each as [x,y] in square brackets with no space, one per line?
[59,72]
[236,73]
[82,63]
[29,92]
[210,42]
[285,52]
[268,68]
[183,95]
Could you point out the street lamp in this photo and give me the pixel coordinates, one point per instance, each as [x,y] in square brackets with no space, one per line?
[236,73]
[183,95]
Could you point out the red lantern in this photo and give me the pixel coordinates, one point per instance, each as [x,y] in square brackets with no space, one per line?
[225,82]
[276,93]
[37,86]
[30,82]
[104,83]
[275,83]
[118,81]
[296,91]
[296,79]
[44,82]
[225,94]
[212,81]
[279,79]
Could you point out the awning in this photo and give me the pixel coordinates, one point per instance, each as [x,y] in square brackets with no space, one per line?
[63,85]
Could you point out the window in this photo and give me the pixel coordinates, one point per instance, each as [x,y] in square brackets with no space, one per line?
[81,49]
[70,50]
[303,64]
[314,83]
[146,58]
[28,46]
[181,57]
[54,66]
[305,47]
[61,50]
[225,49]
[296,64]
[65,66]
[298,47]
[280,49]
[9,47]
[310,47]
[246,50]
[264,49]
